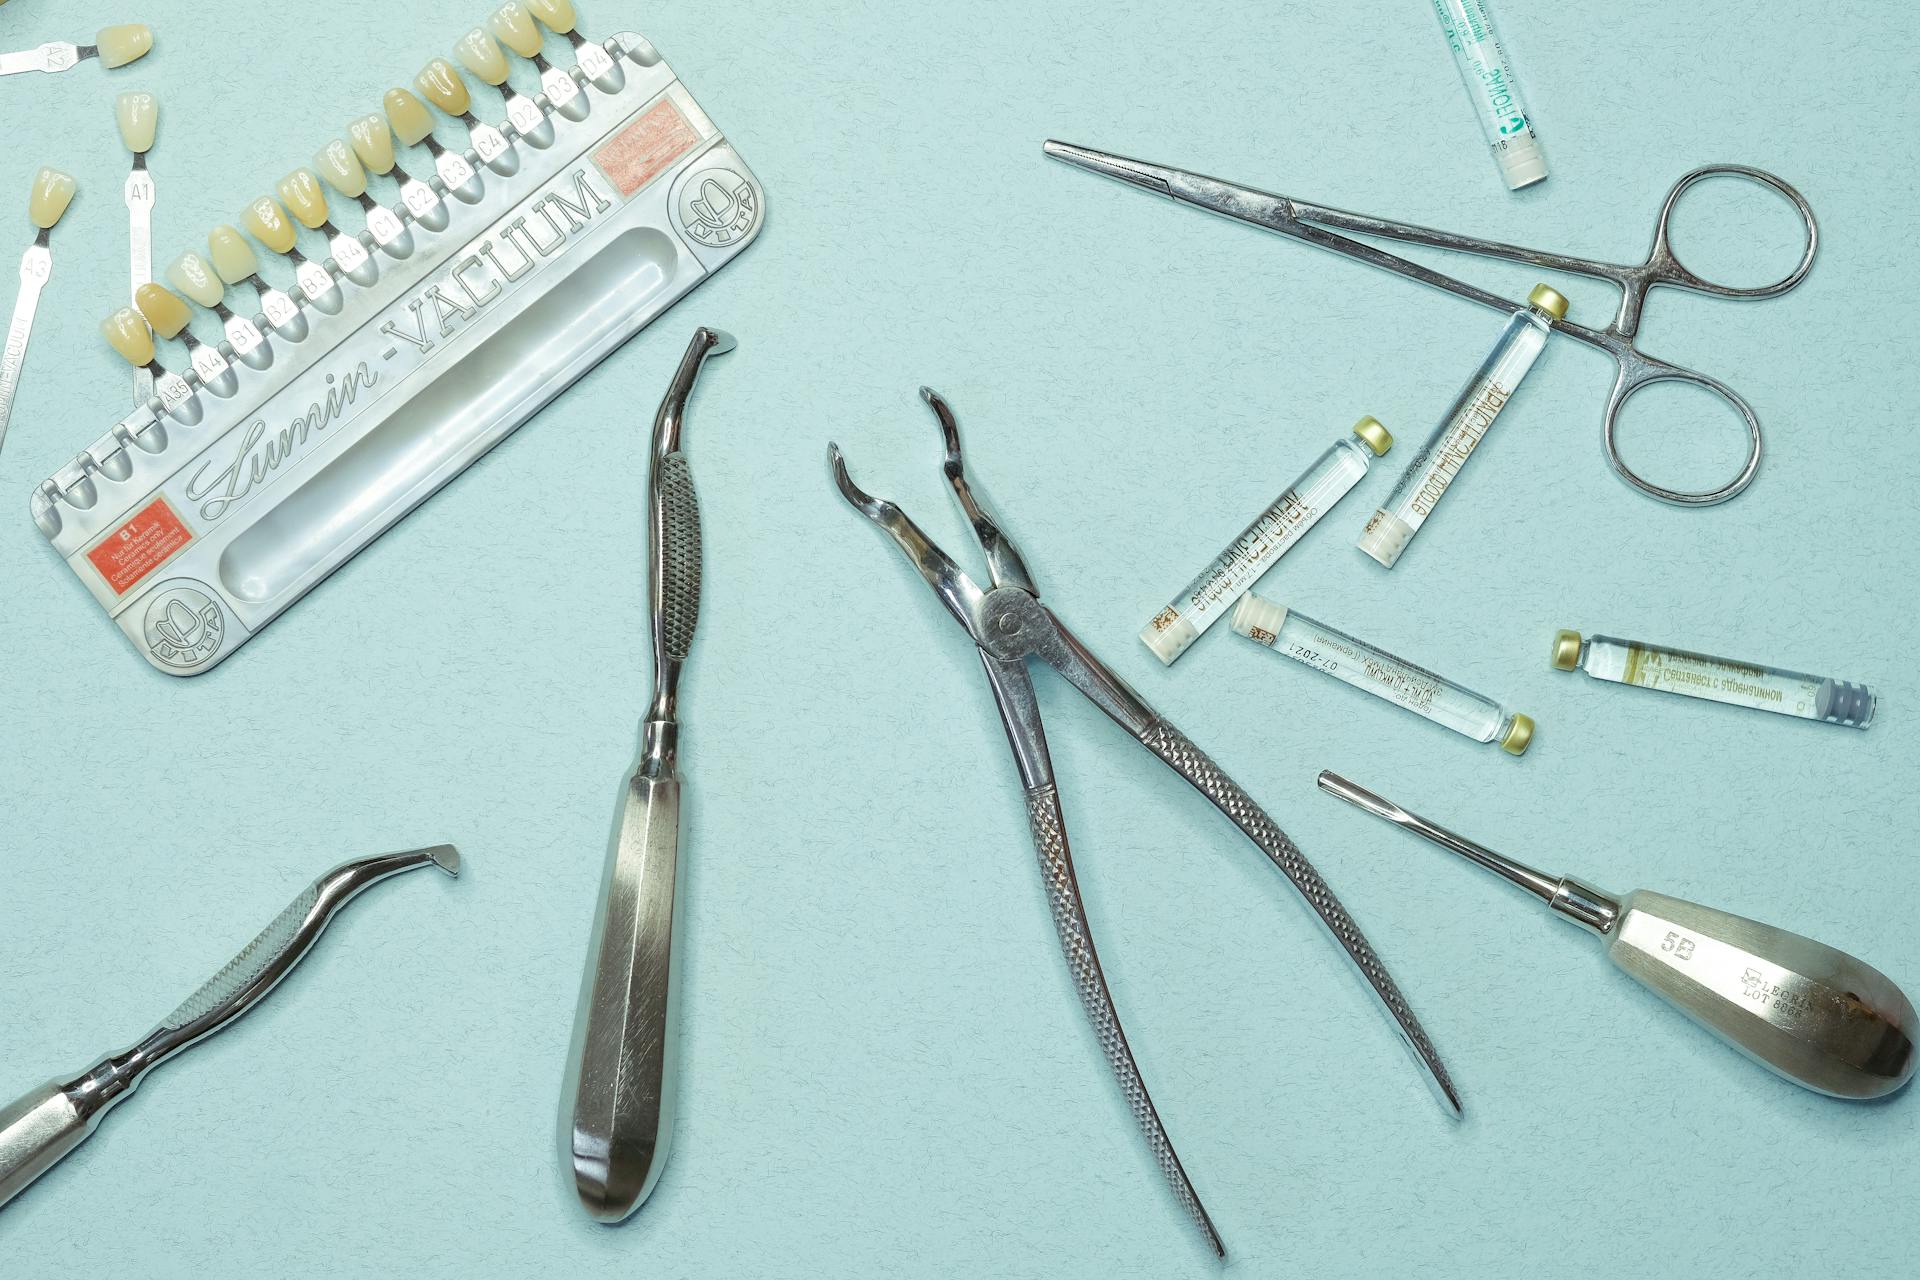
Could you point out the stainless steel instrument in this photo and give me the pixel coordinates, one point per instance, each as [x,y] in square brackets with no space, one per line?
[1801,1009]
[617,1109]
[1009,625]
[404,351]
[1633,369]
[40,1129]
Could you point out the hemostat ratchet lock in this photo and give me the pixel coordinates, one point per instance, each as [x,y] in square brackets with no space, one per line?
[1009,624]
[39,1130]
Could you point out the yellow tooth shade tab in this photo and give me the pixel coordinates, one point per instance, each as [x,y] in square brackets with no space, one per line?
[516,29]
[193,275]
[52,193]
[305,198]
[162,308]
[269,224]
[480,53]
[341,168]
[408,116]
[138,115]
[232,256]
[123,44]
[557,14]
[126,332]
[372,142]
[441,85]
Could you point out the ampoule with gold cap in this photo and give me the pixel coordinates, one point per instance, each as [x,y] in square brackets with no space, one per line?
[1433,469]
[1698,675]
[1292,634]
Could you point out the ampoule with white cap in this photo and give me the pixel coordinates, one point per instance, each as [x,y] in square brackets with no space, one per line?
[1489,80]
[1697,675]
[1446,451]
[1206,599]
[1314,644]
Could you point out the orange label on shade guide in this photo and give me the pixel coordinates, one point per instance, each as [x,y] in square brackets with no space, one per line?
[140,546]
[636,155]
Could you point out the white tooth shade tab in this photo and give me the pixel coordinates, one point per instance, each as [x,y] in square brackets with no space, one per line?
[305,198]
[408,116]
[557,14]
[480,54]
[516,29]
[126,332]
[52,193]
[269,224]
[372,142]
[232,256]
[342,169]
[193,275]
[441,85]
[123,44]
[163,309]
[138,115]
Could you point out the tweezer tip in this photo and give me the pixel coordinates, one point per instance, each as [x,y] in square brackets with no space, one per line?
[446,857]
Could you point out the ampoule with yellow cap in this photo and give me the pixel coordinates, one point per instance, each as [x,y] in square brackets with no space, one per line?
[1206,599]
[1700,675]
[1446,451]
[1292,634]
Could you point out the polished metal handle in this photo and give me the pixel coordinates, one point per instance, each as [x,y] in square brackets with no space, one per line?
[1800,1008]
[36,1133]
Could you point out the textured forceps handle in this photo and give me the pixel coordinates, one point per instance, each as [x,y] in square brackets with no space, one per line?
[676,552]
[1211,781]
[1076,941]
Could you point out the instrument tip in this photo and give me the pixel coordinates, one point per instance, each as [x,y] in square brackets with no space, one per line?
[446,857]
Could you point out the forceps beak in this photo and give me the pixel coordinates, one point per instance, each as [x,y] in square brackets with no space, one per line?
[956,591]
[1150,177]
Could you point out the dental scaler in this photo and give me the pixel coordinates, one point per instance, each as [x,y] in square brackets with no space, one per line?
[1802,1010]
[42,1128]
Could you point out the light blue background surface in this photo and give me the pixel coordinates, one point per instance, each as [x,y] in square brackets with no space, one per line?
[885,1069]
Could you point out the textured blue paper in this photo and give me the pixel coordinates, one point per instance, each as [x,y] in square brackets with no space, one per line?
[885,1069]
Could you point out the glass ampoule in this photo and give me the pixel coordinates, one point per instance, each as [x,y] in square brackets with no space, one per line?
[1495,91]
[1459,433]
[1696,675]
[1206,599]
[1314,644]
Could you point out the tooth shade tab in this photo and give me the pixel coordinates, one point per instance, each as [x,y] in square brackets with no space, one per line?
[269,224]
[372,142]
[305,198]
[193,275]
[163,309]
[408,116]
[441,85]
[557,14]
[138,115]
[123,44]
[232,256]
[342,169]
[52,193]
[480,54]
[126,332]
[515,27]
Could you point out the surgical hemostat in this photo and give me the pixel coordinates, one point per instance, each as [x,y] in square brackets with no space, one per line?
[1009,624]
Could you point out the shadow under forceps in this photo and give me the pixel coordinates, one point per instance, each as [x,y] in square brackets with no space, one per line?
[1009,625]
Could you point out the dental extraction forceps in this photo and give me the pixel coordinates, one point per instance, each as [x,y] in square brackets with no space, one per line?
[1009,625]
[1635,370]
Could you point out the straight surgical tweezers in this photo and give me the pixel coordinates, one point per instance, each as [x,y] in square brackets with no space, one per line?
[1009,624]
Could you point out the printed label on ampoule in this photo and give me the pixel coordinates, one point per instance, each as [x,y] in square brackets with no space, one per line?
[1436,469]
[1721,681]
